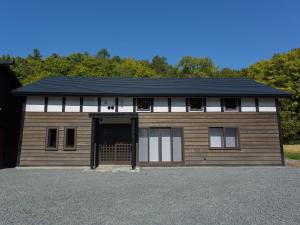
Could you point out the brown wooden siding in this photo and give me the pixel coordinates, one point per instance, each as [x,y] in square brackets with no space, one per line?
[34,153]
[259,137]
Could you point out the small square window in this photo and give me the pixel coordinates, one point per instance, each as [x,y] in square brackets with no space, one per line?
[231,105]
[70,138]
[52,138]
[196,104]
[143,104]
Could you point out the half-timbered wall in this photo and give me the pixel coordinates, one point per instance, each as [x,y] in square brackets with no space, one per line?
[258,136]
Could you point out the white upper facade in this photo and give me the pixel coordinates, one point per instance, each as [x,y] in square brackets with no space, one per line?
[129,104]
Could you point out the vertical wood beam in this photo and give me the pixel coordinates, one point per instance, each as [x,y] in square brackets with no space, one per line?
[134,104]
[117,104]
[256,105]
[186,104]
[222,104]
[64,104]
[169,104]
[81,104]
[280,131]
[46,104]
[99,104]
[152,104]
[133,143]
[240,104]
[21,132]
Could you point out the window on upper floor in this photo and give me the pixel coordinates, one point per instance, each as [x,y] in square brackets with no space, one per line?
[143,104]
[196,105]
[231,104]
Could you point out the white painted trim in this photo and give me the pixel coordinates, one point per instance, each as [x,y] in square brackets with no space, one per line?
[35,104]
[90,104]
[72,104]
[248,105]
[54,104]
[160,104]
[213,104]
[267,105]
[178,104]
[108,104]
[125,104]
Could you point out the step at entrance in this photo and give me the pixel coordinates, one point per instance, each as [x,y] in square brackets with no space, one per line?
[116,168]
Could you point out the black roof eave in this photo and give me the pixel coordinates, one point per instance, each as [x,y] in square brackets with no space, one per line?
[18,93]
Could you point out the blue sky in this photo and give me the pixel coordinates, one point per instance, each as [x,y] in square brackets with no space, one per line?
[234,33]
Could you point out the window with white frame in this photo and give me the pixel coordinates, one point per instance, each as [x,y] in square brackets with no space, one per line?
[196,104]
[220,137]
[231,104]
[143,104]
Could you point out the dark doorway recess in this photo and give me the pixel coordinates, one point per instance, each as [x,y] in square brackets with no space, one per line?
[114,143]
[114,137]
[10,117]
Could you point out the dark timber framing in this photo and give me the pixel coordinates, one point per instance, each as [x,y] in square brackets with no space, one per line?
[21,132]
[256,105]
[63,104]
[280,131]
[46,104]
[96,118]
[81,104]
[99,104]
[117,104]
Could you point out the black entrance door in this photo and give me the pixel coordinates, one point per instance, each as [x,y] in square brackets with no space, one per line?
[114,143]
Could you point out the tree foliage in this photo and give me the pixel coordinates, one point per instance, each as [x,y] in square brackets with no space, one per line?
[282,71]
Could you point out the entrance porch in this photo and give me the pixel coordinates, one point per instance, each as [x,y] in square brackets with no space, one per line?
[113,139]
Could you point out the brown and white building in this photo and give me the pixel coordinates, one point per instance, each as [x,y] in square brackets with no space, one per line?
[80,121]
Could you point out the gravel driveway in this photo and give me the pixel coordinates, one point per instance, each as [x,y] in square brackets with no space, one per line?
[184,196]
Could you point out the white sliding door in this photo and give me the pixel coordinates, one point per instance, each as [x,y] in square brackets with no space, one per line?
[166,145]
[143,145]
[153,145]
[177,145]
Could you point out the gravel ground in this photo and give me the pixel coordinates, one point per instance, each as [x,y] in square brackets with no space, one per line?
[237,195]
[292,163]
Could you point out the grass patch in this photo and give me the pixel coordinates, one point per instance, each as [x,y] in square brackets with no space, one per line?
[292,152]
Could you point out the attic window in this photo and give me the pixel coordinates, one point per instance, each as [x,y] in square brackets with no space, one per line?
[196,104]
[231,105]
[143,104]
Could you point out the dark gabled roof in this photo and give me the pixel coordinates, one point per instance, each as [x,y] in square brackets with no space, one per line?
[65,85]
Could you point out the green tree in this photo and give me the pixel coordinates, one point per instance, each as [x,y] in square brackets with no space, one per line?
[36,54]
[103,53]
[160,65]
[283,72]
[196,67]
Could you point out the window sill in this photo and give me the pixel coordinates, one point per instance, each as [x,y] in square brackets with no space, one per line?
[196,111]
[225,149]
[51,149]
[69,149]
[143,110]
[229,111]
